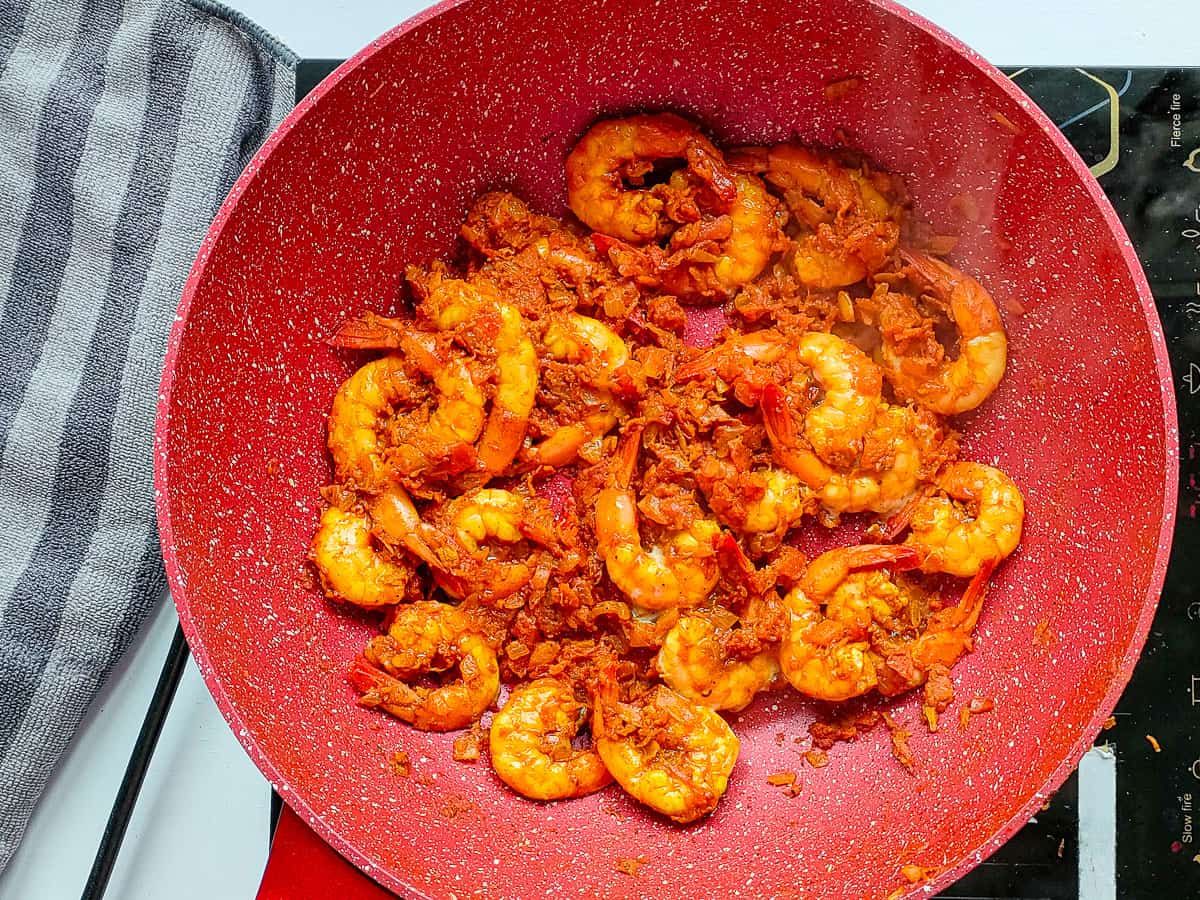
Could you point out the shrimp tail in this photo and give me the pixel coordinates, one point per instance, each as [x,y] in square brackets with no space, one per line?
[764,346]
[902,518]
[398,522]
[454,585]
[696,367]
[733,559]
[624,463]
[777,417]
[713,171]
[926,269]
[502,438]
[747,160]
[790,450]
[605,691]
[878,556]
[950,632]
[373,684]
[971,603]
[604,243]
[732,553]
[368,331]
[564,443]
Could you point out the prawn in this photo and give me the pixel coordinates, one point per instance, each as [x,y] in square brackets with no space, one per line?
[710,258]
[851,383]
[884,486]
[681,571]
[349,565]
[468,565]
[600,354]
[694,662]
[973,517]
[847,218]
[615,150]
[371,396]
[342,549]
[531,743]
[667,752]
[826,653]
[428,638]
[452,303]
[763,501]
[945,386]
[397,523]
[585,341]
[905,664]
[732,356]
[754,236]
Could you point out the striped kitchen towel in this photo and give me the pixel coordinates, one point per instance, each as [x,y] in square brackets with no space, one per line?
[122,127]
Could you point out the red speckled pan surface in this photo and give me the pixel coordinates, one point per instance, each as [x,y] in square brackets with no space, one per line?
[376,169]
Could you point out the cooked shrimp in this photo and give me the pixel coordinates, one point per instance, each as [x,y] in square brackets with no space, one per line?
[973,517]
[734,354]
[451,303]
[903,664]
[694,661]
[883,486]
[763,501]
[457,420]
[425,638]
[588,342]
[710,258]
[531,743]
[615,150]
[359,408]
[829,657]
[681,571]
[848,218]
[650,584]
[516,392]
[852,383]
[599,354]
[565,442]
[376,392]
[755,500]
[469,566]
[667,752]
[754,236]
[783,502]
[947,386]
[398,524]
[350,566]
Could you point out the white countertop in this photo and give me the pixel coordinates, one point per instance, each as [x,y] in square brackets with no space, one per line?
[199,831]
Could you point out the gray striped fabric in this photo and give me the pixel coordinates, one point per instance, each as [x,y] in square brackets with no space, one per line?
[122,127]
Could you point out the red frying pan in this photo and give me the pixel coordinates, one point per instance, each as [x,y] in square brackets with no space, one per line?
[376,169]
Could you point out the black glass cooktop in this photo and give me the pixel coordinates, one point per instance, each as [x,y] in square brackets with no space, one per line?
[1124,825]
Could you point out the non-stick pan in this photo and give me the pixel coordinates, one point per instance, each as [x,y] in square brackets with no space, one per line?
[376,169]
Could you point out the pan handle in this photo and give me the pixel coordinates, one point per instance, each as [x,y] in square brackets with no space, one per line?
[301,866]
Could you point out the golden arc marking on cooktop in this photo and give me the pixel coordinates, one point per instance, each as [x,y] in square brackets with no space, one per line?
[1114,126]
